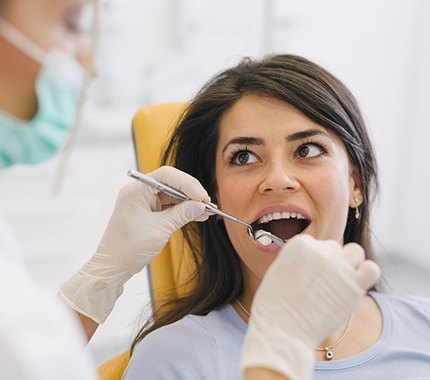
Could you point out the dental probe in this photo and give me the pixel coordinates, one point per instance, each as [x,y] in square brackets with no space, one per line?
[175,193]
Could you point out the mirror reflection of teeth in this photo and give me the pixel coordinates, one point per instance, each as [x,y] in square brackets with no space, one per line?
[261,238]
[280,215]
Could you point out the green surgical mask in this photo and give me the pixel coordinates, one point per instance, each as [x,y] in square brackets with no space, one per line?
[57,89]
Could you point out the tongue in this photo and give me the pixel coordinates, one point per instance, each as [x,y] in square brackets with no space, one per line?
[286,228]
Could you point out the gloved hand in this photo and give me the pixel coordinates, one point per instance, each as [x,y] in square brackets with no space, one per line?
[310,289]
[140,226]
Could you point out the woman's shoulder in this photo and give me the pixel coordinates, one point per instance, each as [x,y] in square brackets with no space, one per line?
[225,319]
[405,307]
[217,324]
[407,301]
[189,348]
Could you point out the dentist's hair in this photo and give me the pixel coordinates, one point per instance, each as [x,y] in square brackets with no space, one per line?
[218,277]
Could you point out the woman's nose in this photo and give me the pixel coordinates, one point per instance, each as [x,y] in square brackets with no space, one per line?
[279,177]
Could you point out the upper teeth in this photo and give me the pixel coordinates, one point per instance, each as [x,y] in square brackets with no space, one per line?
[279,215]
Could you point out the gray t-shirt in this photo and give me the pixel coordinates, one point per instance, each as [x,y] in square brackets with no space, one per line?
[208,347]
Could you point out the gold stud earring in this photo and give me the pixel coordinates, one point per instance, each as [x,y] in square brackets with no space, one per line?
[357,210]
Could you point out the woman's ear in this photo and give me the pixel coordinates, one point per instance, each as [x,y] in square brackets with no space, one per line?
[356,189]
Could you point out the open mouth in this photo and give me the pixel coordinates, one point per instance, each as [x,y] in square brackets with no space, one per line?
[282,224]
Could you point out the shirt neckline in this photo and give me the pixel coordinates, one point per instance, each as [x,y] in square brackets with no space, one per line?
[345,363]
[234,317]
[370,353]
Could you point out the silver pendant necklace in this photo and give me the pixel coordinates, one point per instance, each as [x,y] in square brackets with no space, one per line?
[328,352]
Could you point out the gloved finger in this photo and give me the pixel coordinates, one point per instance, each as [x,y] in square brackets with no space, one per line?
[183,213]
[205,216]
[299,240]
[167,201]
[368,274]
[354,254]
[181,181]
[331,247]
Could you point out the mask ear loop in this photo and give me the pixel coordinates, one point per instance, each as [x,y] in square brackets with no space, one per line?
[21,41]
[82,96]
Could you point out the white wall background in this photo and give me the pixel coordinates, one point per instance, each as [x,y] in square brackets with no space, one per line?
[163,50]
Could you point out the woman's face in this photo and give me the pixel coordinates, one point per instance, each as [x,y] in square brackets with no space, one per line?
[281,172]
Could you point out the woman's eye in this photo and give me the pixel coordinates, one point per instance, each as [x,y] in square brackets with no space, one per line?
[309,151]
[243,158]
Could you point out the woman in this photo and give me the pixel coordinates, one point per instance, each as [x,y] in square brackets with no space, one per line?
[281,144]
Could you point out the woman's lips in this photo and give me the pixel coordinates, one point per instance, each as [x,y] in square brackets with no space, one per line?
[284,221]
[271,248]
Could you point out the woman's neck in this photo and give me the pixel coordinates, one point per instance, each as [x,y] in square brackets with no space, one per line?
[365,330]
[250,285]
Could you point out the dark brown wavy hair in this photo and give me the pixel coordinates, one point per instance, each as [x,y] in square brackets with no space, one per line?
[218,278]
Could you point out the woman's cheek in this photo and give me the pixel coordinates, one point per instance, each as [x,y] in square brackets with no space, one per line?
[233,197]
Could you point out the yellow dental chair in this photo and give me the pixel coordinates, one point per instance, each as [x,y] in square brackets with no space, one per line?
[169,271]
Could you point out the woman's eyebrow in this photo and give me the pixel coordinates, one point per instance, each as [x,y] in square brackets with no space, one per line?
[241,140]
[305,134]
[245,140]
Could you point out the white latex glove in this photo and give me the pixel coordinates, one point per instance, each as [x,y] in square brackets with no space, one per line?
[308,292]
[137,232]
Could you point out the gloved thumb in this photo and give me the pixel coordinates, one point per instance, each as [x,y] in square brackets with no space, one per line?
[183,213]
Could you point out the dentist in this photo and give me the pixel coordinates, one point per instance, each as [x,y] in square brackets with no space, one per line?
[45,61]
